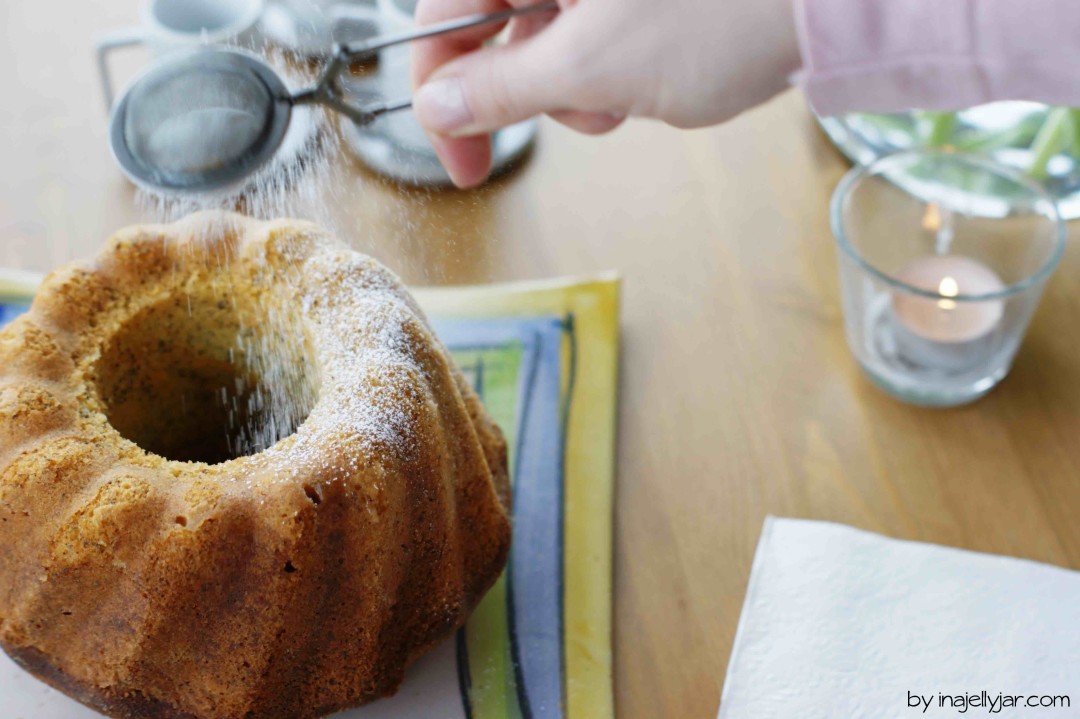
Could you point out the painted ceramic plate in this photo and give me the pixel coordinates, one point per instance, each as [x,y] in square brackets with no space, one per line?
[544,359]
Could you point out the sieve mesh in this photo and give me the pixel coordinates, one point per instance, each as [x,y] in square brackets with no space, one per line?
[202,119]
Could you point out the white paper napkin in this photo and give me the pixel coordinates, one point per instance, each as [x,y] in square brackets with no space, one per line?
[844,624]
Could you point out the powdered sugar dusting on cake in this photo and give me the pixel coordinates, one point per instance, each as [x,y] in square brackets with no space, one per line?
[363,328]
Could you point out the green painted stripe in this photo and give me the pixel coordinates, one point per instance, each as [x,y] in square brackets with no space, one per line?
[493,694]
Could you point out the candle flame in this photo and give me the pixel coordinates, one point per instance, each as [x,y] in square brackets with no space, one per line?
[931,221]
[948,288]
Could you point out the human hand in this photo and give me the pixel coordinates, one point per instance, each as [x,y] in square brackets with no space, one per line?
[689,63]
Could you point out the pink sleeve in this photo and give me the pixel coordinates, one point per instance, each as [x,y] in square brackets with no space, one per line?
[892,55]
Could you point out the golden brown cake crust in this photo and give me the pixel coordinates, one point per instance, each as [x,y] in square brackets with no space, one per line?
[293,582]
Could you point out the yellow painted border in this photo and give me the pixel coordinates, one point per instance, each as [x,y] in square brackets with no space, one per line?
[18,285]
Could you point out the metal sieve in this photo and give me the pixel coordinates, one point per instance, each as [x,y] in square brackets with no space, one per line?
[208,119]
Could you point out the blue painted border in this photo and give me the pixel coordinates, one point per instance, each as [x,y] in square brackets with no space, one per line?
[535,570]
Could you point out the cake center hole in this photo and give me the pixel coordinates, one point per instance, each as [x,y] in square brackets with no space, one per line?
[207,379]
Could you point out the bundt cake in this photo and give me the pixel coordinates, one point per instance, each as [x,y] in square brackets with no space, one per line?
[239,477]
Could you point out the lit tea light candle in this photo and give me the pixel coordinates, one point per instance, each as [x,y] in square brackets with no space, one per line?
[944,333]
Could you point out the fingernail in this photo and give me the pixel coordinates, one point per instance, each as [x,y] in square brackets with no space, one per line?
[440,105]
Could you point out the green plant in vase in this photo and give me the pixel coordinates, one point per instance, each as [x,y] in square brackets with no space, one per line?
[1058,132]
[1040,141]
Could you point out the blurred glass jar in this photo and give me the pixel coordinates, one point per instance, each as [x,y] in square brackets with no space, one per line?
[940,275]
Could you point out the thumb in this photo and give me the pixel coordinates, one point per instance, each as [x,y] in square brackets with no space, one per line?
[495,86]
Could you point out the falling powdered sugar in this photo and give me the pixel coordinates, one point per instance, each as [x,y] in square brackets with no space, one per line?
[331,357]
[270,394]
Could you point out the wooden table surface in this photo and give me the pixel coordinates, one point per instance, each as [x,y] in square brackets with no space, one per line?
[739,397]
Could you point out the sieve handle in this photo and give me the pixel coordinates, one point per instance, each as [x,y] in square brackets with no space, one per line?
[363,49]
[105,45]
[360,115]
[326,90]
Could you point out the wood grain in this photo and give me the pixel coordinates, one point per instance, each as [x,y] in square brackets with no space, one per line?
[739,396]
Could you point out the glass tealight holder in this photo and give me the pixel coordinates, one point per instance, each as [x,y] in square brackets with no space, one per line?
[943,259]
